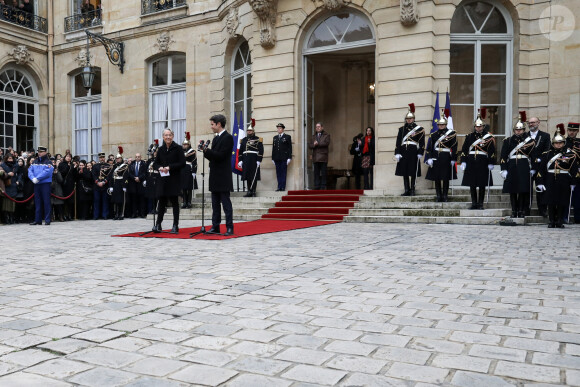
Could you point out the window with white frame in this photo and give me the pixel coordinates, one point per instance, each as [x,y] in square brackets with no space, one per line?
[18,107]
[242,84]
[481,66]
[167,97]
[86,106]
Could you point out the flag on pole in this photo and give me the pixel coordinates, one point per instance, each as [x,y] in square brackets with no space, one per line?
[448,112]
[434,127]
[238,135]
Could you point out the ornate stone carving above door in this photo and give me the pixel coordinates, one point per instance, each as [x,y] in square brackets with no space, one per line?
[266,12]
[21,55]
[332,4]
[409,12]
[232,22]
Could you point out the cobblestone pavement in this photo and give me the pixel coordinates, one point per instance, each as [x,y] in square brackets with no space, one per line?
[345,304]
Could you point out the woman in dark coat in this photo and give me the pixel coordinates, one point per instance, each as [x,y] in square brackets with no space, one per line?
[56,190]
[20,213]
[441,157]
[356,150]
[169,162]
[11,189]
[68,185]
[84,190]
[368,157]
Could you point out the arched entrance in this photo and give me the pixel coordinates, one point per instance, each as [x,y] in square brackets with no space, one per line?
[18,110]
[338,77]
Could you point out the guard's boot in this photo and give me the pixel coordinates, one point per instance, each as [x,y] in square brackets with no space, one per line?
[481,198]
[560,217]
[473,192]
[407,188]
[445,190]
[438,191]
[551,216]
[514,204]
[412,187]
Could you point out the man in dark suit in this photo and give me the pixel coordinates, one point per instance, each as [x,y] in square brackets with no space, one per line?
[543,143]
[220,174]
[137,175]
[281,155]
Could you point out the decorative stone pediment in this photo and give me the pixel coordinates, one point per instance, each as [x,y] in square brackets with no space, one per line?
[266,12]
[21,55]
[82,58]
[332,4]
[232,22]
[164,40]
[409,12]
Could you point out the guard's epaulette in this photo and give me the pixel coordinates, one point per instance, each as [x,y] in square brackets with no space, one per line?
[261,139]
[546,152]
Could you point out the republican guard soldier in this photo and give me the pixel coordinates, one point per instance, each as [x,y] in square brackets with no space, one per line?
[573,143]
[441,157]
[517,155]
[101,176]
[252,151]
[558,175]
[477,159]
[188,180]
[119,186]
[409,149]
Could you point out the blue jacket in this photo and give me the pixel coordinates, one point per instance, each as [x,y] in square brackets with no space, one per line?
[42,170]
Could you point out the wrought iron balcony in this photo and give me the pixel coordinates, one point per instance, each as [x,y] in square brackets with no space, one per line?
[22,18]
[152,6]
[83,20]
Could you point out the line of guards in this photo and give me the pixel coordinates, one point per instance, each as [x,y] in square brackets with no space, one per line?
[526,158]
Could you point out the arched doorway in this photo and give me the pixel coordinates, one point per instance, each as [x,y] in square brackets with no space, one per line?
[338,75]
[18,110]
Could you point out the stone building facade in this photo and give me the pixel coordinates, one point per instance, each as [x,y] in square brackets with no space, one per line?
[346,63]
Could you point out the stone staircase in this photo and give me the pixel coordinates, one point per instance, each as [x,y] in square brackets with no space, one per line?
[377,207]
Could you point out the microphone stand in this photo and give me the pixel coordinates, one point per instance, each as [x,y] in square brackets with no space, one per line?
[155,212]
[202,229]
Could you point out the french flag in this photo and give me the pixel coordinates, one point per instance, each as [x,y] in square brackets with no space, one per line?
[239,134]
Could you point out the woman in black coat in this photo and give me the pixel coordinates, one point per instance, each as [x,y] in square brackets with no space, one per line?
[356,150]
[84,187]
[68,185]
[169,162]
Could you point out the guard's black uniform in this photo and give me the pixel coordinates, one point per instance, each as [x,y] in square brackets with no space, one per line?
[151,186]
[477,153]
[188,182]
[558,170]
[409,146]
[442,150]
[251,152]
[120,184]
[517,160]
[543,142]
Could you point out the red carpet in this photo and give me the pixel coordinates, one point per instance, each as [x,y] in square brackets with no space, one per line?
[328,205]
[260,226]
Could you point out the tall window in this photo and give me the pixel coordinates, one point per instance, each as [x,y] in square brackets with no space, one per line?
[18,107]
[481,65]
[242,83]
[86,104]
[167,96]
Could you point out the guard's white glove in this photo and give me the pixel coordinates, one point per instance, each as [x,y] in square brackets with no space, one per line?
[430,162]
[572,187]
[112,189]
[463,166]
[419,156]
[124,189]
[452,163]
[35,180]
[532,172]
[145,184]
[193,175]
[288,161]
[490,167]
[541,188]
[273,162]
[240,164]
[504,174]
[398,157]
[258,163]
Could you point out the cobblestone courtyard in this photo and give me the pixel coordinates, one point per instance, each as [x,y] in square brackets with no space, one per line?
[345,304]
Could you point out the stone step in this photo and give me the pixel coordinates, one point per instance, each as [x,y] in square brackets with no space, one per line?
[431,212]
[475,220]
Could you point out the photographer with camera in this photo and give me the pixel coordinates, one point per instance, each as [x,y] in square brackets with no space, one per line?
[220,176]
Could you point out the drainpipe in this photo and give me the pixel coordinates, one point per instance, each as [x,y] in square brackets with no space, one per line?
[50,64]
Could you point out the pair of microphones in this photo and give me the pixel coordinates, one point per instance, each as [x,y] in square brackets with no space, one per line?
[203,145]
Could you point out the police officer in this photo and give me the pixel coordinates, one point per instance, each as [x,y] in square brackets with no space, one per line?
[573,143]
[101,176]
[409,149]
[558,169]
[252,151]
[281,155]
[119,187]
[40,173]
[477,158]
[517,155]
[188,181]
[441,157]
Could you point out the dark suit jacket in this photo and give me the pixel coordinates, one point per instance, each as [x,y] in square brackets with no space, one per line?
[220,166]
[173,158]
[133,186]
[543,142]
[282,148]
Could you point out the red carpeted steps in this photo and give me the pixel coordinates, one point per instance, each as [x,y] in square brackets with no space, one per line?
[314,205]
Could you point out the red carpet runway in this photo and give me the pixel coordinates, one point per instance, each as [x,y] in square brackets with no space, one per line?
[260,226]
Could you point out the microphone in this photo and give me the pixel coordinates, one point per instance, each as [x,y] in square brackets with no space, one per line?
[200,146]
[207,143]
